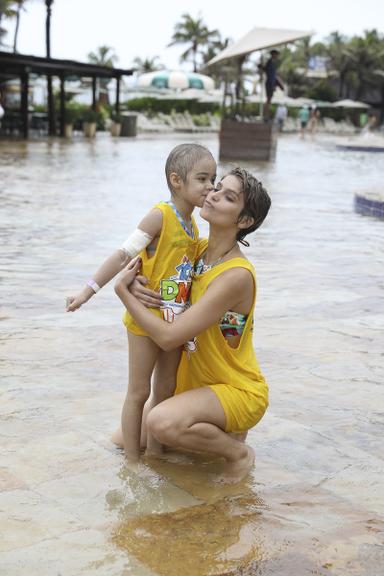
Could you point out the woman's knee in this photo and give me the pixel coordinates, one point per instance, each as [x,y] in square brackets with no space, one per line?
[163,426]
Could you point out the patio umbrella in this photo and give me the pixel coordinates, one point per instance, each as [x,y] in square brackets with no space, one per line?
[349,104]
[176,80]
[259,39]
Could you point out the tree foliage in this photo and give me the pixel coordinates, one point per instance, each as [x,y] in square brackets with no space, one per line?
[144,65]
[197,36]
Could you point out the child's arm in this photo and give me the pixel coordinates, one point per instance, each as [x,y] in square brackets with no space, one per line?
[148,229]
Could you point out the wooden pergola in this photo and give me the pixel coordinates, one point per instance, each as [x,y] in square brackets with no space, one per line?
[22,66]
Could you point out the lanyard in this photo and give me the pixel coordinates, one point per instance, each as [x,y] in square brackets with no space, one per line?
[188,231]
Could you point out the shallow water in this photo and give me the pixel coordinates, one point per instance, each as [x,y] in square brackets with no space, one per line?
[314,502]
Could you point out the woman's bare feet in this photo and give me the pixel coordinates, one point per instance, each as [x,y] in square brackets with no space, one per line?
[237,469]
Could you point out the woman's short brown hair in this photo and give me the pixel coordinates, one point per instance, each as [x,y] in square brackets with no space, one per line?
[256,202]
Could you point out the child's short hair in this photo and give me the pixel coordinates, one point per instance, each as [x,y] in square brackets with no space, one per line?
[256,202]
[183,158]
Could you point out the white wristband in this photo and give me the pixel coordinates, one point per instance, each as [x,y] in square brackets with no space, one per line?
[94,285]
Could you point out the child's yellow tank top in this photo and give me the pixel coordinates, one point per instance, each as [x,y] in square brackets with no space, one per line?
[170,268]
[209,359]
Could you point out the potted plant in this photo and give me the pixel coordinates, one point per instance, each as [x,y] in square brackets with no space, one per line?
[116,124]
[90,118]
[70,118]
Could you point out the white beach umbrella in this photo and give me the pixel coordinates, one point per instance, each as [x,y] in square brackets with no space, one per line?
[349,104]
[175,79]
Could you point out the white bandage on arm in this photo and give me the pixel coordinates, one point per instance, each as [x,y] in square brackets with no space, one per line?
[136,242]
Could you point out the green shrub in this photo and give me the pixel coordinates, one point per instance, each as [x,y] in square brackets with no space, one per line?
[150,106]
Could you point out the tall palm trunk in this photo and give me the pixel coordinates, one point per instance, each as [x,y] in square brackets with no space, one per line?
[194,50]
[19,4]
[51,103]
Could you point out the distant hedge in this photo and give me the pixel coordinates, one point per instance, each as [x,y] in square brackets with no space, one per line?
[156,105]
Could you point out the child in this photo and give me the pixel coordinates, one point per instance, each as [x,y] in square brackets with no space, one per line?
[166,240]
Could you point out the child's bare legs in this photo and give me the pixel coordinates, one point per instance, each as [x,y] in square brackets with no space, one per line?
[143,353]
[163,387]
[195,420]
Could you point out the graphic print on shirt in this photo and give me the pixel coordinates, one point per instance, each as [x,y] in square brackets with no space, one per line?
[175,290]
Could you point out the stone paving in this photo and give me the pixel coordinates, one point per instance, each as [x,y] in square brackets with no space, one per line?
[314,503]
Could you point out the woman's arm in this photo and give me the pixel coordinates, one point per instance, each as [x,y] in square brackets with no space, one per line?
[224,293]
[151,224]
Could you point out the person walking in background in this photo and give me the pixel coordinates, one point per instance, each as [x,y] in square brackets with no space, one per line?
[313,119]
[281,116]
[303,117]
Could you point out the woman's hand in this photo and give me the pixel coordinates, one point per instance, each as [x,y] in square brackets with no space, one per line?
[149,298]
[127,276]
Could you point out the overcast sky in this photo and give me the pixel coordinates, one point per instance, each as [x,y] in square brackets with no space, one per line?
[144,28]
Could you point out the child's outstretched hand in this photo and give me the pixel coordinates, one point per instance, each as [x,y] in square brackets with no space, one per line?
[128,275]
[72,303]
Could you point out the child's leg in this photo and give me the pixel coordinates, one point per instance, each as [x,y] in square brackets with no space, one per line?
[143,353]
[163,387]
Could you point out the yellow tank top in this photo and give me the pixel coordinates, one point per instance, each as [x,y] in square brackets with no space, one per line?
[169,269]
[210,359]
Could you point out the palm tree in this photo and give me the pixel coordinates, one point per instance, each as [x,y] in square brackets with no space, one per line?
[293,65]
[51,103]
[366,54]
[103,56]
[19,8]
[48,4]
[196,34]
[339,58]
[144,65]
[218,71]
[6,11]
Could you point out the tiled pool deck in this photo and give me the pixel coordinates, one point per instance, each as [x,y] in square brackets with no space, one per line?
[314,503]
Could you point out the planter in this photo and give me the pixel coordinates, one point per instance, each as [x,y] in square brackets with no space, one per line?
[115,129]
[89,129]
[240,140]
[68,130]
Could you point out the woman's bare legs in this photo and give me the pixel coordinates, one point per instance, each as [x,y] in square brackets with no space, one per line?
[143,353]
[195,420]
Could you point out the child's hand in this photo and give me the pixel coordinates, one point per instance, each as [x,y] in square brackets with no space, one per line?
[74,302]
[128,275]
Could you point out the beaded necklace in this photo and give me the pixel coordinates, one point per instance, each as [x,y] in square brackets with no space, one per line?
[201,267]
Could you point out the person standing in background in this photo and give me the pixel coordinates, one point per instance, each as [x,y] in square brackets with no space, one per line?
[272,80]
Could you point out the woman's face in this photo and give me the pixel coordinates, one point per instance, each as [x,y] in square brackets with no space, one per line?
[223,205]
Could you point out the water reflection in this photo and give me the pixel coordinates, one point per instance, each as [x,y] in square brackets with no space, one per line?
[222,534]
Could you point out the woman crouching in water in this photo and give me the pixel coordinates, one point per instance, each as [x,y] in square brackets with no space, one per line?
[220,388]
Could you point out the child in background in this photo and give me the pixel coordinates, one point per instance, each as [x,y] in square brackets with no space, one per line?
[167,240]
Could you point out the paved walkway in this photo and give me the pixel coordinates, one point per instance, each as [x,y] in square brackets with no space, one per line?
[314,503]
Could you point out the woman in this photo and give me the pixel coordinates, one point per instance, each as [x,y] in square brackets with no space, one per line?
[220,388]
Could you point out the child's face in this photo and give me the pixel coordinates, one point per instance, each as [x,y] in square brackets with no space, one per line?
[224,204]
[200,180]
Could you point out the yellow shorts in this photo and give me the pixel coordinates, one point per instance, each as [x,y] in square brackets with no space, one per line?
[243,408]
[131,325]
